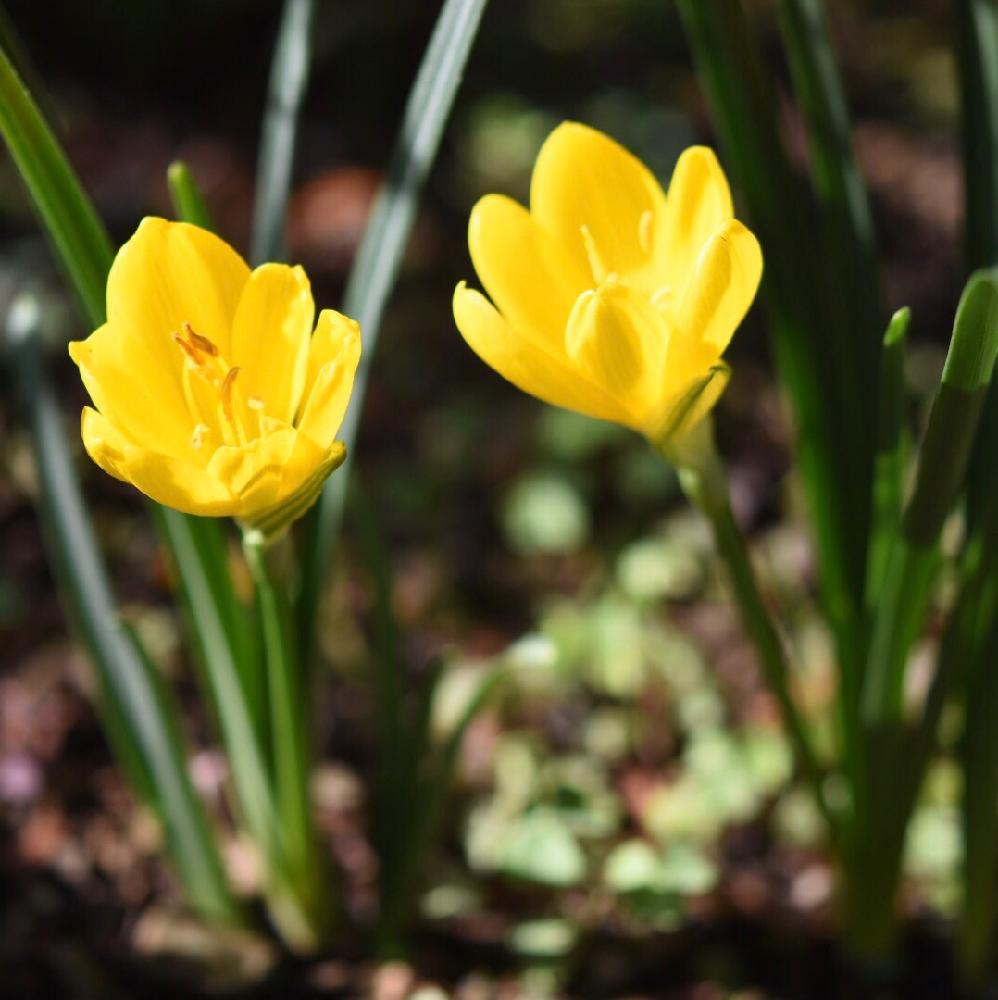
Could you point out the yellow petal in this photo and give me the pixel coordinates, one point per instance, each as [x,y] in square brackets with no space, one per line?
[305,468]
[170,273]
[698,204]
[721,289]
[270,338]
[122,376]
[253,472]
[597,198]
[541,372]
[619,340]
[528,276]
[166,480]
[303,463]
[332,330]
[337,340]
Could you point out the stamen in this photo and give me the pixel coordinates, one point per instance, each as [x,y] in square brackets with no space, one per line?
[644,230]
[596,264]
[201,431]
[201,343]
[255,403]
[187,348]
[226,391]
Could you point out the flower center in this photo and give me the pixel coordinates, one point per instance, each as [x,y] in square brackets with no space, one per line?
[222,414]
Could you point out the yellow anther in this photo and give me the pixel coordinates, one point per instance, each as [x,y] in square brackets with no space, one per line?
[201,343]
[187,348]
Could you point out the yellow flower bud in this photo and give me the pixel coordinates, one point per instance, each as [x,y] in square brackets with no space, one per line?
[608,297]
[211,392]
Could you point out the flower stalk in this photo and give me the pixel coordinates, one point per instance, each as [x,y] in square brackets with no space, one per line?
[300,893]
[704,482]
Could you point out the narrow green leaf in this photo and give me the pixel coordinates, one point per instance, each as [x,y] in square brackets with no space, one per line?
[188,202]
[972,647]
[956,409]
[67,214]
[396,773]
[848,243]
[140,714]
[977,62]
[288,79]
[891,453]
[378,261]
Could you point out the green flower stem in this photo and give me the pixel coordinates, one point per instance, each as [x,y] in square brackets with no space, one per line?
[705,485]
[303,909]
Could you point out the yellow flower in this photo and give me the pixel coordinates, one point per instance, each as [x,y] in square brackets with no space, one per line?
[212,393]
[610,298]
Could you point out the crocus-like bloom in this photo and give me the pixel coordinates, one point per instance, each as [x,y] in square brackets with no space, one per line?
[611,298]
[212,393]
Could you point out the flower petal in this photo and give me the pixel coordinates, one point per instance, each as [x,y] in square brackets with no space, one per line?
[528,276]
[163,478]
[540,372]
[335,351]
[305,460]
[270,337]
[252,472]
[721,289]
[585,183]
[305,469]
[122,375]
[170,273]
[698,204]
[620,340]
